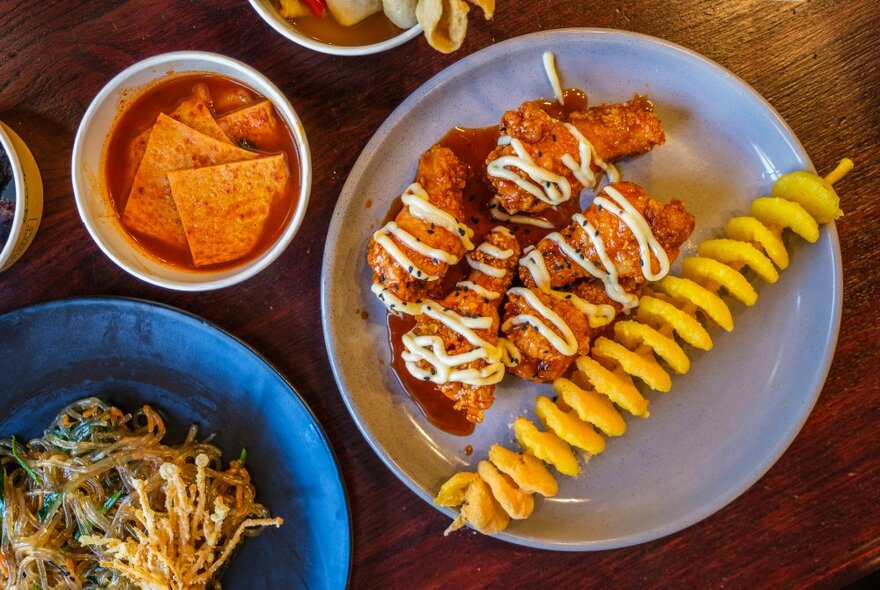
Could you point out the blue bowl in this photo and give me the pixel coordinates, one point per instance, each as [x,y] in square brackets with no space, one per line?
[133,353]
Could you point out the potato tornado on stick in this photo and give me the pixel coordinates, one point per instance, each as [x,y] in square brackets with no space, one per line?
[455,341]
[411,254]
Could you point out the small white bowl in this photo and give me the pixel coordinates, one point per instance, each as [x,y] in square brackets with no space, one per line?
[28,188]
[95,205]
[269,14]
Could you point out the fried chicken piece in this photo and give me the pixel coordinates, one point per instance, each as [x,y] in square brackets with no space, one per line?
[671,225]
[540,360]
[621,130]
[442,175]
[615,130]
[474,298]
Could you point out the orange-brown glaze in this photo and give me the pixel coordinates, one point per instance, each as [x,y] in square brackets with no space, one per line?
[442,175]
[540,361]
[437,408]
[474,399]
[615,131]
[671,224]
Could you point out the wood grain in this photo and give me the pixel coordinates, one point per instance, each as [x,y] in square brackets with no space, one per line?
[811,522]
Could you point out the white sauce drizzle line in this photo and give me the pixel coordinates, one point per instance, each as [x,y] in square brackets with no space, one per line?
[608,274]
[497,213]
[582,171]
[648,243]
[494,251]
[486,269]
[566,344]
[510,354]
[479,290]
[431,350]
[416,198]
[553,76]
[542,184]
[443,366]
[597,315]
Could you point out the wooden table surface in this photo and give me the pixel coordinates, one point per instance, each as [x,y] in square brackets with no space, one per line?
[812,521]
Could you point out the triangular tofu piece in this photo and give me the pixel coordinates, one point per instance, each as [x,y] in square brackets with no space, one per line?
[193,112]
[224,208]
[255,124]
[172,145]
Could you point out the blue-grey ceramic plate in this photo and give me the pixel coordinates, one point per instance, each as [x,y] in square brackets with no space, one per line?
[723,424]
[134,352]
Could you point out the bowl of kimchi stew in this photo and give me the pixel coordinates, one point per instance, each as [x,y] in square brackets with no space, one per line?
[191,171]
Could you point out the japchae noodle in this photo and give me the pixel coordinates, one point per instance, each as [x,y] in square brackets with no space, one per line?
[100,502]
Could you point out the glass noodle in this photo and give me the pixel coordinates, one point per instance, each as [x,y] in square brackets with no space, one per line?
[100,502]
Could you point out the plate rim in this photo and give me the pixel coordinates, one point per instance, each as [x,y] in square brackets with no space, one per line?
[236,342]
[328,263]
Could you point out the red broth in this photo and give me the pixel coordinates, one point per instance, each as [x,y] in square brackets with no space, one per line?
[163,97]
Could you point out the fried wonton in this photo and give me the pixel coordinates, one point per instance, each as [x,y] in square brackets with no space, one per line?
[172,145]
[350,12]
[445,21]
[255,124]
[224,208]
[401,12]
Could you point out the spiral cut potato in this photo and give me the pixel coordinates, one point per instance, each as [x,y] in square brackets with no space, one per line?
[100,502]
[587,404]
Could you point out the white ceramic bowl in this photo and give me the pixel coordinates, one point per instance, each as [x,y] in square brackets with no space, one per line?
[95,205]
[28,187]
[269,14]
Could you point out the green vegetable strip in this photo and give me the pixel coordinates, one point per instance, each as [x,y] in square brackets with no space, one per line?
[110,502]
[48,504]
[243,457]
[23,464]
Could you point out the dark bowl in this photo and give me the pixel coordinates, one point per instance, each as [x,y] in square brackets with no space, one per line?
[134,352]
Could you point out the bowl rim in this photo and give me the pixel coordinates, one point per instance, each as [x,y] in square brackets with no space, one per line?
[274,20]
[7,248]
[82,191]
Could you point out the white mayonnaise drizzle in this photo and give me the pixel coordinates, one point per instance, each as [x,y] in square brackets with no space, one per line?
[486,269]
[582,170]
[553,76]
[541,183]
[394,303]
[430,350]
[494,251]
[597,315]
[510,354]
[416,198]
[606,271]
[478,289]
[566,344]
[496,213]
[444,367]
[637,224]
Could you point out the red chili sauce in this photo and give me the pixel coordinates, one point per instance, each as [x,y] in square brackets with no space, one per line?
[163,97]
